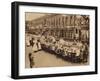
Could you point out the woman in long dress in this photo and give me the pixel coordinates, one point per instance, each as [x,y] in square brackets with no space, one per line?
[34,47]
[38,45]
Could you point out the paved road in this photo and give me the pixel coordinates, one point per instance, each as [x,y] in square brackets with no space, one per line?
[45,59]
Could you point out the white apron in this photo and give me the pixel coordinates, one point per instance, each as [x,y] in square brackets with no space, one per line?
[34,48]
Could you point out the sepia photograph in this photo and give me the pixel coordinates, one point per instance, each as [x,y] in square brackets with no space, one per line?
[56,40]
[52,40]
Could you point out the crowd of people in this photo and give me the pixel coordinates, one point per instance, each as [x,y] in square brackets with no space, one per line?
[72,51]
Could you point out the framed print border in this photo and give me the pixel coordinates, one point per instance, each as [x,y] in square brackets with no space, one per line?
[15,39]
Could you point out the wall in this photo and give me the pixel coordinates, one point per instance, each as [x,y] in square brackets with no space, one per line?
[5,40]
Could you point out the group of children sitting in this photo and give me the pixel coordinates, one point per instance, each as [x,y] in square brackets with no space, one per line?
[74,51]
